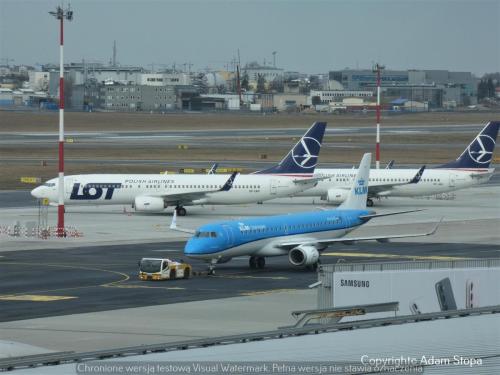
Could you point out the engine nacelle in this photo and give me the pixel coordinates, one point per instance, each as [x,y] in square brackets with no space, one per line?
[336,196]
[303,255]
[149,204]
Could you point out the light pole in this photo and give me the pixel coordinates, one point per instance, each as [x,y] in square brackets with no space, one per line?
[61,14]
[378,68]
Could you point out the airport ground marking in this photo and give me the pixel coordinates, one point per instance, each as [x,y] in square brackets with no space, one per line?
[124,276]
[394,256]
[33,297]
[242,276]
[146,287]
[265,292]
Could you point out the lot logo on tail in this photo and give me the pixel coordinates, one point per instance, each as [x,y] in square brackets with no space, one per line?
[478,149]
[361,188]
[93,191]
[301,154]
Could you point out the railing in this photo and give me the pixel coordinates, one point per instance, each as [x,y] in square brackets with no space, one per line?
[62,358]
[335,314]
[414,265]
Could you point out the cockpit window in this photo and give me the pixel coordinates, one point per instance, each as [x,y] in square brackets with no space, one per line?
[205,234]
[49,184]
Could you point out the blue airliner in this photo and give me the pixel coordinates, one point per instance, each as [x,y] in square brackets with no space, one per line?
[301,236]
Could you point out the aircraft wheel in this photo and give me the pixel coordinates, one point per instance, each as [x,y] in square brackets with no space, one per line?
[261,262]
[181,211]
[369,202]
[252,262]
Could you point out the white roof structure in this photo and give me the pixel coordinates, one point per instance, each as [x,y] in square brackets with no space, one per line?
[457,340]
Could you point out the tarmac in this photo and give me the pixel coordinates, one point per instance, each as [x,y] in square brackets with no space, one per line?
[107,311]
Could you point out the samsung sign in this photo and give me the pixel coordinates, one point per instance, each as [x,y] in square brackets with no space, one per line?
[355,283]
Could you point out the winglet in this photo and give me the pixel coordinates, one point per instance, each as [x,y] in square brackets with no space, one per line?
[229,183]
[213,169]
[436,227]
[418,176]
[173,224]
[390,165]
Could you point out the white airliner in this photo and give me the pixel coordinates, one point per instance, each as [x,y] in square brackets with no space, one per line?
[155,192]
[469,169]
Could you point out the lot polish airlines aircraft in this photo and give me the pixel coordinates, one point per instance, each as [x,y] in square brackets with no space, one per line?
[469,169]
[301,236]
[155,192]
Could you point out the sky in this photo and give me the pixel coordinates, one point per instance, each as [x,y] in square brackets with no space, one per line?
[310,36]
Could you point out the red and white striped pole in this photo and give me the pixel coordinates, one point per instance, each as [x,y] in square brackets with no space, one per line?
[60,14]
[378,68]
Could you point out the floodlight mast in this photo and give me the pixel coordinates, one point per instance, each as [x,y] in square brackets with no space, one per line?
[377,69]
[61,14]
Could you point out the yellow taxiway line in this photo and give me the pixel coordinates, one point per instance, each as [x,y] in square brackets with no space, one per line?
[33,298]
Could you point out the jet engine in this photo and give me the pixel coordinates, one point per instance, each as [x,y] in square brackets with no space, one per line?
[149,204]
[303,255]
[336,196]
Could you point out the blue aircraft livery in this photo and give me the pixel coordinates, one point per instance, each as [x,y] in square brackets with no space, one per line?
[301,236]
[480,151]
[303,157]
[94,191]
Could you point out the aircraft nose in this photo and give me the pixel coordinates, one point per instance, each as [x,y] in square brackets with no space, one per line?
[37,192]
[191,248]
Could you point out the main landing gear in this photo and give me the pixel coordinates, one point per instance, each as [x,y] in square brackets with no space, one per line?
[211,267]
[181,211]
[369,202]
[257,262]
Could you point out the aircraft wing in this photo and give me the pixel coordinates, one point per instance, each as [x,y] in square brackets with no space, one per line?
[194,195]
[375,190]
[349,240]
[310,180]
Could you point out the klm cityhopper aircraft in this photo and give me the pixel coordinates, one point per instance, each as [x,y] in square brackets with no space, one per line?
[471,168]
[155,192]
[301,236]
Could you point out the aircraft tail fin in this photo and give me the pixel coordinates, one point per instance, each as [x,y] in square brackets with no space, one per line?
[479,152]
[359,190]
[303,157]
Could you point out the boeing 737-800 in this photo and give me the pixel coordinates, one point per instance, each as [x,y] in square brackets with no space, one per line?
[301,236]
[155,192]
[471,168]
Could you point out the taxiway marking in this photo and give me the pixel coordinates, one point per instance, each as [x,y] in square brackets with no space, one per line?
[33,297]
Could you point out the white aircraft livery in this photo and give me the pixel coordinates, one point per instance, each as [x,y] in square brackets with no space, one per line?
[471,168]
[301,236]
[155,192]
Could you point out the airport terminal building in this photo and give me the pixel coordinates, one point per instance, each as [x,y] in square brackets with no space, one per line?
[437,87]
